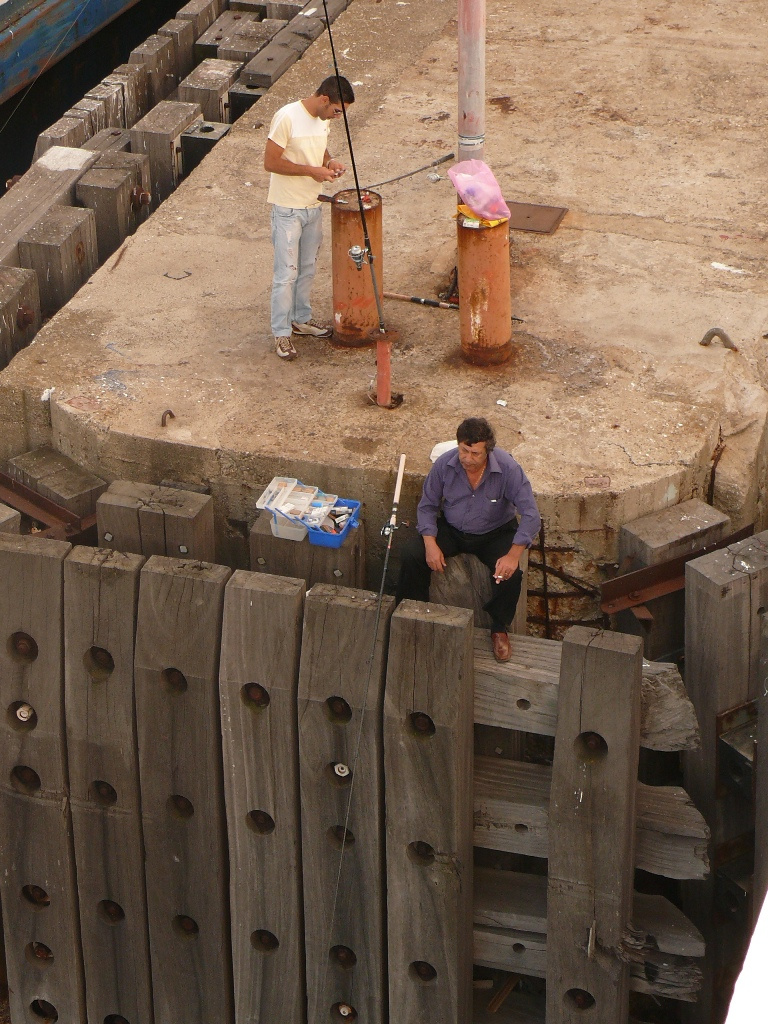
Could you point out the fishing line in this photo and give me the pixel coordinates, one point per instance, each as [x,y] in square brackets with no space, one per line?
[45,66]
[366,236]
[388,531]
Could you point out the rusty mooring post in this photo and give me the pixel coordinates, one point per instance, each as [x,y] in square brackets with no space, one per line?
[355,314]
[485,304]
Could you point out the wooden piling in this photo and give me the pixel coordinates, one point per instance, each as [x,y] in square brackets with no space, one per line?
[726,594]
[340,698]
[151,520]
[100,594]
[62,250]
[343,566]
[428,773]
[39,895]
[592,826]
[258,691]
[177,710]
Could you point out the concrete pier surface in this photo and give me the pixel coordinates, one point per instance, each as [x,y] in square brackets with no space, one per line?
[646,120]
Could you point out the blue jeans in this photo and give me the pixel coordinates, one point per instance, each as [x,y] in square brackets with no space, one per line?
[296,237]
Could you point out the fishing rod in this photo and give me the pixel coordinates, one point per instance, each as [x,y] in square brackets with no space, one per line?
[388,531]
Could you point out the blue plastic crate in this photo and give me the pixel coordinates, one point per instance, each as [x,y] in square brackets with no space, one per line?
[334,540]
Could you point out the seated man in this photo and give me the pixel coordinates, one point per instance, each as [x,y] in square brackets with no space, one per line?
[468,505]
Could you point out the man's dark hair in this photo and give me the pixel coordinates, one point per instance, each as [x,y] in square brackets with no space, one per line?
[474,430]
[336,90]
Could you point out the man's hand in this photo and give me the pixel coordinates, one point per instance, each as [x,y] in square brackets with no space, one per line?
[321,174]
[435,557]
[508,564]
[337,167]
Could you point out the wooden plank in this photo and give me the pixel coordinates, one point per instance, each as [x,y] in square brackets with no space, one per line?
[39,895]
[201,13]
[50,180]
[67,131]
[110,140]
[725,592]
[518,901]
[19,311]
[512,801]
[208,86]
[156,53]
[10,519]
[428,774]
[258,681]
[270,63]
[100,595]
[107,191]
[522,694]
[177,710]
[341,687]
[152,520]
[466,583]
[760,769]
[157,134]
[56,476]
[62,250]
[182,34]
[592,810]
[657,974]
[344,566]
[659,537]
[133,82]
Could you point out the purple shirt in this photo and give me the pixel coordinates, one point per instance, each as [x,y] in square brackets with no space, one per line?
[503,488]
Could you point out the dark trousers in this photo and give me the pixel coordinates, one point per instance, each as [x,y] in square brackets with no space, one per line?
[415,574]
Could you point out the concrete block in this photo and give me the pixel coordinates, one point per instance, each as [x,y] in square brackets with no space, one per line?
[67,131]
[158,136]
[202,13]
[107,191]
[242,97]
[672,532]
[50,180]
[157,55]
[182,33]
[198,141]
[209,85]
[109,140]
[19,311]
[10,520]
[59,478]
[110,95]
[270,63]
[133,80]
[62,250]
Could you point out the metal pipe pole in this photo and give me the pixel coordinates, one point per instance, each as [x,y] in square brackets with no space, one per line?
[471,79]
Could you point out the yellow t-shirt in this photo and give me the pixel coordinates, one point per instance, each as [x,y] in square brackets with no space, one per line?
[304,140]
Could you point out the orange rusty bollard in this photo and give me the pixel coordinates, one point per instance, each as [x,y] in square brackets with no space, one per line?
[485,304]
[355,315]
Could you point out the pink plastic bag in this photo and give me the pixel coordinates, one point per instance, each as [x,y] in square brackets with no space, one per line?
[479,190]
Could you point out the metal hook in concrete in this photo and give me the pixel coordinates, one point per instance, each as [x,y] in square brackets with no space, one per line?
[164,417]
[718,332]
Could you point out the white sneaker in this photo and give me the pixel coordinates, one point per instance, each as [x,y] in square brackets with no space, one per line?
[313,328]
[284,348]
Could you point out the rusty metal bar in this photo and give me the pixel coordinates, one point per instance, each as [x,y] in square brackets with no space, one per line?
[635,588]
[61,524]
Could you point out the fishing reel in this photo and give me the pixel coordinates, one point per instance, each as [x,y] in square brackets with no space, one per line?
[357,254]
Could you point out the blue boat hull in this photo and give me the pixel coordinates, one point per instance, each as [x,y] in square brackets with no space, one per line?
[35,34]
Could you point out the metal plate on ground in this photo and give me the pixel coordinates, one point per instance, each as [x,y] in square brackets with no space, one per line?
[531,217]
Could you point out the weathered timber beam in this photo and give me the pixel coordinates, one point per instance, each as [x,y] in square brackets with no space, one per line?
[512,814]
[658,974]
[518,901]
[522,694]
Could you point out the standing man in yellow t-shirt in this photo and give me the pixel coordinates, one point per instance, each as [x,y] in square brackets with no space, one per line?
[298,160]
